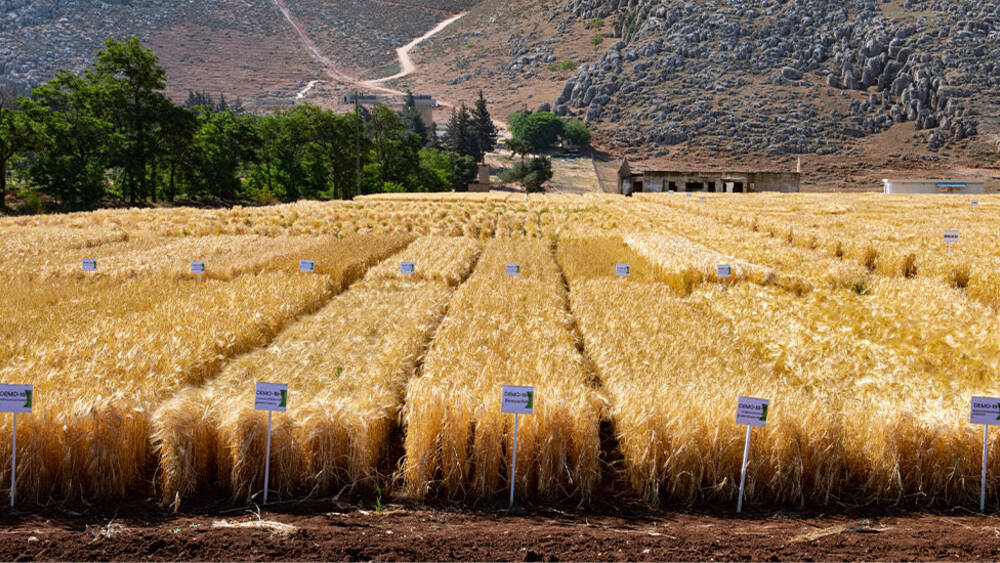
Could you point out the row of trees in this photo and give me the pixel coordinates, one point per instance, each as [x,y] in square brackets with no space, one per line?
[110,134]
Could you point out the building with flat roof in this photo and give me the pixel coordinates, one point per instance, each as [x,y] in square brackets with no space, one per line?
[933,186]
[726,181]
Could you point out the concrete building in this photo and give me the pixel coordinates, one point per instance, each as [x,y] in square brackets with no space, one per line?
[727,181]
[932,186]
[425,104]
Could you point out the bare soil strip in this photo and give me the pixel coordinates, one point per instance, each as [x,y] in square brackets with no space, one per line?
[337,532]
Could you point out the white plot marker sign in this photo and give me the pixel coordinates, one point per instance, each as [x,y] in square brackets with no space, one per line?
[623,270]
[750,412]
[89,264]
[407,268]
[15,399]
[513,269]
[975,203]
[197,267]
[307,266]
[985,411]
[269,397]
[950,237]
[518,400]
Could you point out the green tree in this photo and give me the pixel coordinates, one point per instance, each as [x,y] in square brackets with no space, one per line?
[486,130]
[531,175]
[396,150]
[540,130]
[445,170]
[18,134]
[336,139]
[409,116]
[518,147]
[73,144]
[127,84]
[596,40]
[460,134]
[223,145]
[173,143]
[575,133]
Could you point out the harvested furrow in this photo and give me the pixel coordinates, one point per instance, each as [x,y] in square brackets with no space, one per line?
[346,366]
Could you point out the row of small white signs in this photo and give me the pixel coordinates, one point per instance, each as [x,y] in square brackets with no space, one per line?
[408,268]
[198,267]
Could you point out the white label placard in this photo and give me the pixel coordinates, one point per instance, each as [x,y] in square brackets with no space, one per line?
[513,269]
[16,398]
[271,397]
[974,203]
[951,236]
[702,198]
[197,267]
[751,411]
[623,269]
[985,410]
[687,195]
[406,268]
[307,266]
[90,264]
[723,270]
[517,399]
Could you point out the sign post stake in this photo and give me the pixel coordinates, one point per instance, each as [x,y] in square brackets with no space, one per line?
[15,399]
[982,483]
[267,457]
[950,237]
[749,412]
[269,397]
[985,411]
[517,400]
[513,461]
[13,462]
[743,471]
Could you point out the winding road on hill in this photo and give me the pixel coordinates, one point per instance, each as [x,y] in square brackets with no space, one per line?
[406,64]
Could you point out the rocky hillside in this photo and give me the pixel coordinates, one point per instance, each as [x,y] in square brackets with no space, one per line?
[234,47]
[808,76]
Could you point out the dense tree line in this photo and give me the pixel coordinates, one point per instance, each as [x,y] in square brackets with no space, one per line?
[110,134]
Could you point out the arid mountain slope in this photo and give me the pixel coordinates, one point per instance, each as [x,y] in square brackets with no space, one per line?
[854,88]
[240,48]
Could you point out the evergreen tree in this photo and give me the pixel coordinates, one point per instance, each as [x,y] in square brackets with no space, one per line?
[460,135]
[409,116]
[486,131]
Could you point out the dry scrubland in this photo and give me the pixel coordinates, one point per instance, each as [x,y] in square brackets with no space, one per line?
[844,310]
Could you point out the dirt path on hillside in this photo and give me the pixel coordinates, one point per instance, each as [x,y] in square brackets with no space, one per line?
[338,532]
[406,64]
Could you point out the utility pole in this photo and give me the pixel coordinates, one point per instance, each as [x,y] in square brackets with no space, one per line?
[357,143]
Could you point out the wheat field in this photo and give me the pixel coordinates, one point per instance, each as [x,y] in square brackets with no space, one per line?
[847,311]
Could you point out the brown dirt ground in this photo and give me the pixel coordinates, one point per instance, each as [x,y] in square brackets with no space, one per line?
[334,531]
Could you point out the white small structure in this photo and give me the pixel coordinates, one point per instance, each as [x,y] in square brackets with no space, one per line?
[933,186]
